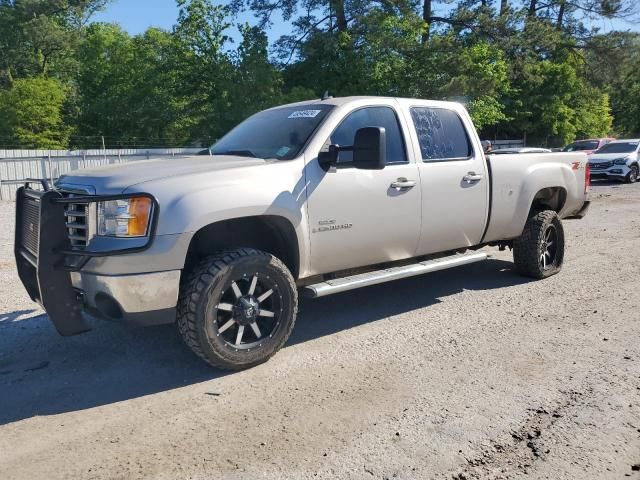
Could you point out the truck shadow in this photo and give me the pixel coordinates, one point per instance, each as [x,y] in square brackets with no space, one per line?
[42,373]
[327,315]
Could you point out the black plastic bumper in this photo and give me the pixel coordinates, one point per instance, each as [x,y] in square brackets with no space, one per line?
[45,257]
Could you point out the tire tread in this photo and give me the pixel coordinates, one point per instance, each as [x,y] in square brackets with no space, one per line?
[525,247]
[199,278]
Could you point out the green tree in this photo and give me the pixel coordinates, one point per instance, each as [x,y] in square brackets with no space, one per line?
[106,84]
[257,83]
[522,67]
[39,36]
[480,77]
[206,71]
[613,63]
[32,114]
[127,88]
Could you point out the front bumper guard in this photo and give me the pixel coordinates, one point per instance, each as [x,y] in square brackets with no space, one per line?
[45,271]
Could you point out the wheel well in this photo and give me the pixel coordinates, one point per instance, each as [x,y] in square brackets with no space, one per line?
[269,233]
[551,198]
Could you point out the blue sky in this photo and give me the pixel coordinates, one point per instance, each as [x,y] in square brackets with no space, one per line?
[136,16]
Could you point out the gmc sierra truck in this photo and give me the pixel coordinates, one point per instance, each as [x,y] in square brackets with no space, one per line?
[312,198]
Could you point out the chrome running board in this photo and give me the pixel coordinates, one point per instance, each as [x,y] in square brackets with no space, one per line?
[343,284]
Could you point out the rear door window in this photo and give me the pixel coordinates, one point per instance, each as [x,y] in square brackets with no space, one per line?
[441,134]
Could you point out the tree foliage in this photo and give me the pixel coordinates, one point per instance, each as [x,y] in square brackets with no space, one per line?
[31,113]
[522,67]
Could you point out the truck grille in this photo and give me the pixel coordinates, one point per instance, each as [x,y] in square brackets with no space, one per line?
[31,224]
[77,224]
[600,165]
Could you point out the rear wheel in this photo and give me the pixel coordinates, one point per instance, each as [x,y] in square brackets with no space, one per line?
[632,176]
[539,251]
[237,308]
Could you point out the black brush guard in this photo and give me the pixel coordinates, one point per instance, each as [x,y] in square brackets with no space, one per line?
[45,257]
[43,271]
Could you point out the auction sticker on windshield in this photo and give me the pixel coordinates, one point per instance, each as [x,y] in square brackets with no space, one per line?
[304,114]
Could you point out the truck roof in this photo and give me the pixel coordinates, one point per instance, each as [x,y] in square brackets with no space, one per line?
[338,101]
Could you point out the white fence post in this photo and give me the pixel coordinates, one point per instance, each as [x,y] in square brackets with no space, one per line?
[50,171]
[43,168]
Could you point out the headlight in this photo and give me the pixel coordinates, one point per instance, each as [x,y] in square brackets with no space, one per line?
[620,161]
[128,217]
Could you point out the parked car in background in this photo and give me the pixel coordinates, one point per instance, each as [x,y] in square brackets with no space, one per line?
[487,147]
[618,159]
[587,146]
[520,150]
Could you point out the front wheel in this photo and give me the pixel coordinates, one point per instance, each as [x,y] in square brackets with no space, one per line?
[539,251]
[237,308]
[632,176]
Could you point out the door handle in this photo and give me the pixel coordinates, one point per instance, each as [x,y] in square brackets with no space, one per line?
[403,184]
[472,177]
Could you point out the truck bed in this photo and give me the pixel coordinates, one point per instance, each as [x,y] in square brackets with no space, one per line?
[515,180]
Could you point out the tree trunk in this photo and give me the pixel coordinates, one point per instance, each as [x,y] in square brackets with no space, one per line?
[504,5]
[560,15]
[341,18]
[532,8]
[426,16]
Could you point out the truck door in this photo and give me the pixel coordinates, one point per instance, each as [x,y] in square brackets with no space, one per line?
[363,217]
[454,179]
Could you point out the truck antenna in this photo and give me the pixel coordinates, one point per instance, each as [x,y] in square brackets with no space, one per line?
[326,95]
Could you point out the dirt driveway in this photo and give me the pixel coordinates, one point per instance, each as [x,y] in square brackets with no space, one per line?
[467,373]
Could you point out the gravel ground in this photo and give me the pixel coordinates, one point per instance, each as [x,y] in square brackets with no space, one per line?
[467,373]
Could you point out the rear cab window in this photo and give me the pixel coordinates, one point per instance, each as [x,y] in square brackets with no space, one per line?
[441,134]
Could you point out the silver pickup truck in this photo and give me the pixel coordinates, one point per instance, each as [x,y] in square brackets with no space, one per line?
[315,198]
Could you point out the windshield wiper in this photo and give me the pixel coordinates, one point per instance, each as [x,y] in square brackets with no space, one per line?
[237,153]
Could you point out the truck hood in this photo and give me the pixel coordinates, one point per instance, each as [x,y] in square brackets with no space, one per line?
[604,157]
[116,178]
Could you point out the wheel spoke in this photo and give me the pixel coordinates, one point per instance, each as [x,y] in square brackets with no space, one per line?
[549,244]
[543,258]
[265,313]
[226,326]
[227,307]
[265,295]
[239,336]
[252,287]
[256,329]
[236,290]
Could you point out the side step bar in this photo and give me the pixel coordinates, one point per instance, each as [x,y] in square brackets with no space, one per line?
[338,285]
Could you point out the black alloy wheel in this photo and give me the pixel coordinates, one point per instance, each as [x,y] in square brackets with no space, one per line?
[549,248]
[237,308]
[249,310]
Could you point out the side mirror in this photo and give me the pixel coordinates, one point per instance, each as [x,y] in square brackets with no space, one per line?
[329,157]
[370,148]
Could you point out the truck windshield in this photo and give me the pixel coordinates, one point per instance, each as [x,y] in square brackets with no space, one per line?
[619,147]
[278,133]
